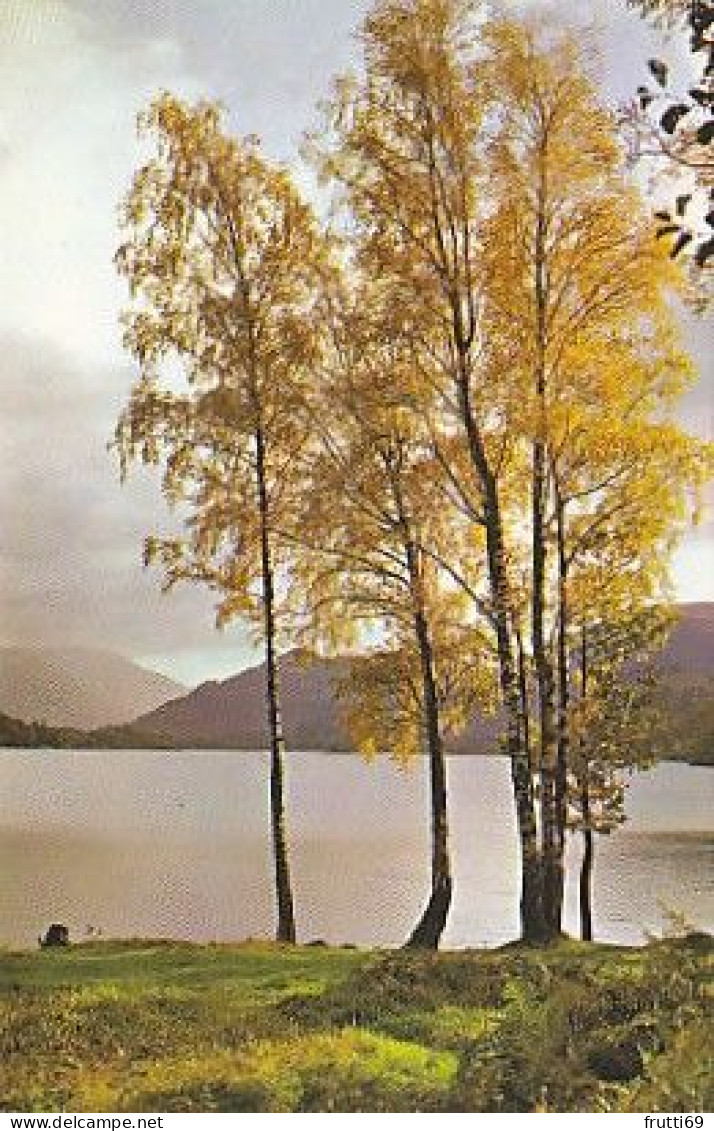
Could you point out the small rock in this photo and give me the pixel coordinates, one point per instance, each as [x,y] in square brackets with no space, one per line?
[56,935]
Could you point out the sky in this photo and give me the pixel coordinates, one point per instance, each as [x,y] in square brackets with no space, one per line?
[73,75]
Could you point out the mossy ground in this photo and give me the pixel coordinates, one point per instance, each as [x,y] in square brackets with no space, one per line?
[141,1026]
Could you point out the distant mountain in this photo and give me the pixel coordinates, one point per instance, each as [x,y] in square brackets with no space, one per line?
[78,687]
[687,666]
[231,714]
[690,647]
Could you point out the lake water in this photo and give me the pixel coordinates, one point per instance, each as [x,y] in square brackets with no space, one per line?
[176,845]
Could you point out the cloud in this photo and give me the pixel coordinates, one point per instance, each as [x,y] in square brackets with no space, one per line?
[73,75]
[70,559]
[269,62]
[67,124]
[694,565]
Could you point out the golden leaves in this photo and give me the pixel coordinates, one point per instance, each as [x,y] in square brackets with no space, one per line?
[496,287]
[224,263]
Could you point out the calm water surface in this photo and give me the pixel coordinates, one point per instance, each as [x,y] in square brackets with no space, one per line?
[156,844]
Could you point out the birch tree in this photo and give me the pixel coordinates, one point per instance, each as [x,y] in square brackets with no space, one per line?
[486,188]
[404,145]
[577,307]
[375,526]
[224,262]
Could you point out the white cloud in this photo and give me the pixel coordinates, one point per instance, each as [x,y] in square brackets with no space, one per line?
[67,126]
[694,568]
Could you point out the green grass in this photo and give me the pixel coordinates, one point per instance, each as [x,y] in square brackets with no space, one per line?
[263,972]
[155,1026]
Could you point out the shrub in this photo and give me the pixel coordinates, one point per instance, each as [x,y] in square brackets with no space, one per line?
[618,1054]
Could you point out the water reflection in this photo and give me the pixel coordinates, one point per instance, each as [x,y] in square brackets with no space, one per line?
[176,845]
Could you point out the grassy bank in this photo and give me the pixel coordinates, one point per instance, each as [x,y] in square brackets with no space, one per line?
[172,1027]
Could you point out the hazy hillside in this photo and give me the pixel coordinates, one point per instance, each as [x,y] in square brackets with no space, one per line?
[99,692]
[231,713]
[690,647]
[78,687]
